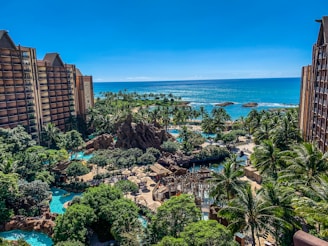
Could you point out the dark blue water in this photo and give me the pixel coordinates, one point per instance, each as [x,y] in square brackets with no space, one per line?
[269,93]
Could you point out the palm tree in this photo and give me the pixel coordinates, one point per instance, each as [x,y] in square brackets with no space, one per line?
[314,207]
[285,134]
[266,158]
[208,125]
[220,116]
[262,133]
[227,181]
[249,212]
[51,133]
[202,111]
[8,165]
[278,195]
[305,165]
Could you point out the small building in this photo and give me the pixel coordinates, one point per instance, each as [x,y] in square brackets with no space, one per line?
[160,170]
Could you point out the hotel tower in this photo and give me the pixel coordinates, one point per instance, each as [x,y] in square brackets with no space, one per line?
[34,93]
[313,115]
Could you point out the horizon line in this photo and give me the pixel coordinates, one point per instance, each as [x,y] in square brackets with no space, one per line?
[184,80]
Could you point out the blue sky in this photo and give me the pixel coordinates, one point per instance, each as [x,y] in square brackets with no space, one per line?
[142,40]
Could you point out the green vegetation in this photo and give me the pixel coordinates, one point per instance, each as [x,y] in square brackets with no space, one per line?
[201,233]
[19,242]
[76,168]
[126,186]
[171,147]
[294,181]
[121,158]
[173,216]
[103,209]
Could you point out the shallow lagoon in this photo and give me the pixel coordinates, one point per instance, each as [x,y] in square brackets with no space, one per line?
[31,237]
[81,156]
[59,197]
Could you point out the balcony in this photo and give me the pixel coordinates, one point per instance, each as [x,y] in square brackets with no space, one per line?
[3,113]
[13,118]
[21,110]
[10,97]
[11,104]
[3,121]
[23,117]
[21,103]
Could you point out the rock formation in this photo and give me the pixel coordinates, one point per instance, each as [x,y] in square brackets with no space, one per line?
[103,141]
[250,105]
[44,224]
[140,135]
[178,159]
[224,104]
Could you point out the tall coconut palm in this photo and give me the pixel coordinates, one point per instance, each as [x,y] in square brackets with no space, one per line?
[202,111]
[51,133]
[263,132]
[249,212]
[267,158]
[285,134]
[278,195]
[314,207]
[305,165]
[227,181]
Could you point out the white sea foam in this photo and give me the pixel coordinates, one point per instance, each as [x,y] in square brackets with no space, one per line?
[279,105]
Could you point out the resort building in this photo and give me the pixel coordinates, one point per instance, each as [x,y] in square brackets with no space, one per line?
[313,116]
[34,93]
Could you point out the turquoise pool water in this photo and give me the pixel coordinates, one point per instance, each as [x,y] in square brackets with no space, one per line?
[143,221]
[31,237]
[243,160]
[218,168]
[214,168]
[173,131]
[205,215]
[80,156]
[176,131]
[59,197]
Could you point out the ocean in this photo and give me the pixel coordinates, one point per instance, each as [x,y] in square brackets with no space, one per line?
[268,93]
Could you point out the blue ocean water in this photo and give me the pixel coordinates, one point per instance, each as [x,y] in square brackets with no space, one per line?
[269,93]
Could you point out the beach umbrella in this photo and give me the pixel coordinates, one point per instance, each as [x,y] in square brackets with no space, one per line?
[126,172]
[141,175]
[136,181]
[144,179]
[134,169]
[131,178]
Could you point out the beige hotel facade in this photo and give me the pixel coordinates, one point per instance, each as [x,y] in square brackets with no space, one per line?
[313,115]
[36,92]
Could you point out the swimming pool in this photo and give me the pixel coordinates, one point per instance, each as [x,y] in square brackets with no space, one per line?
[143,221]
[59,197]
[204,135]
[243,160]
[81,156]
[214,168]
[205,215]
[32,237]
[173,131]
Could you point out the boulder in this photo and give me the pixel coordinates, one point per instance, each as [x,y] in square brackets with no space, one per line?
[224,104]
[250,105]
[103,141]
[44,224]
[89,151]
[178,159]
[140,135]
